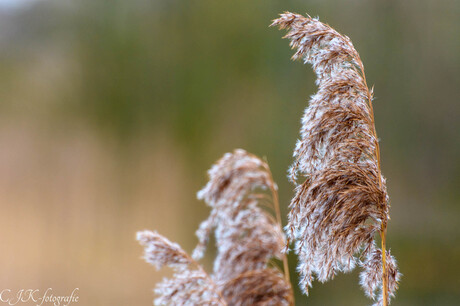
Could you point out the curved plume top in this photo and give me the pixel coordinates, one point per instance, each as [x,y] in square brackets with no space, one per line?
[233,176]
[338,122]
[342,202]
[231,180]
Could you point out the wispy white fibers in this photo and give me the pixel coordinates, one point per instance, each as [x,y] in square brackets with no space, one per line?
[190,284]
[341,202]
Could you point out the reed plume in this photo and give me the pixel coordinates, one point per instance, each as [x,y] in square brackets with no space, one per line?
[247,238]
[188,286]
[371,276]
[342,202]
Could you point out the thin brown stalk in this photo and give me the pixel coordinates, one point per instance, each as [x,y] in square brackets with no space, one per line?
[384,224]
[384,272]
[377,154]
[276,205]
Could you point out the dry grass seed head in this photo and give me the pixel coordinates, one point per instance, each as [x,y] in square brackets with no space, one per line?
[258,287]
[342,202]
[247,236]
[187,286]
[371,276]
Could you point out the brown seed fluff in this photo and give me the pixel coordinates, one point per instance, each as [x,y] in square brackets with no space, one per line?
[342,201]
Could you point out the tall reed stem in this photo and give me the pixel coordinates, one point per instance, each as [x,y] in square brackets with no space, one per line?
[276,204]
[384,270]
[383,229]
[285,260]
[278,218]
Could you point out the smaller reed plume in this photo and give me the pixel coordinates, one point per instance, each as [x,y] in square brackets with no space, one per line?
[188,286]
[342,202]
[247,238]
[371,276]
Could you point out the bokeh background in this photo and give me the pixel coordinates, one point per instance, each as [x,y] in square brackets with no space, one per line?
[112,111]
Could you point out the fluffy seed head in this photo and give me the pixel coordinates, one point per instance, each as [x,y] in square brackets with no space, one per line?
[371,276]
[188,286]
[159,251]
[258,287]
[342,201]
[247,238]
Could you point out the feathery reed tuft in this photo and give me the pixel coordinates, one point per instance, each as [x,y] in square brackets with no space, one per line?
[258,287]
[247,238]
[371,276]
[188,286]
[342,202]
[230,180]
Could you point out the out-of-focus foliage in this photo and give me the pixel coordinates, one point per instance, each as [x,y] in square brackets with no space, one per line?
[111,111]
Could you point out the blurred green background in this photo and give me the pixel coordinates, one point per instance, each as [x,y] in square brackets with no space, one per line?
[112,111]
